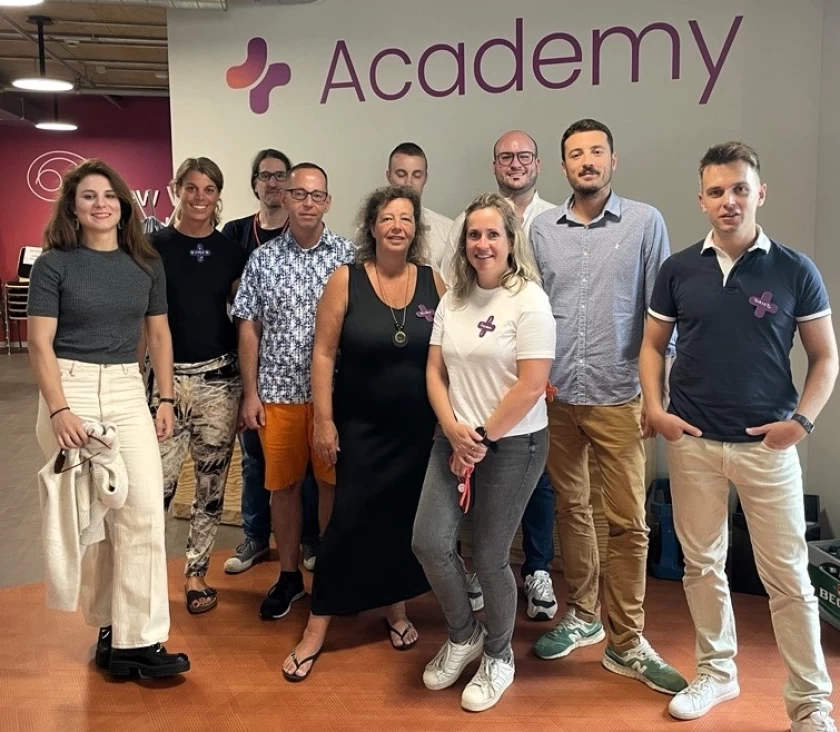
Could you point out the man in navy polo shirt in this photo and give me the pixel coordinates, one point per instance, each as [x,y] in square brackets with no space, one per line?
[737,299]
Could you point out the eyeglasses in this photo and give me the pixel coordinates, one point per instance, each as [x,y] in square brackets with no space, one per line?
[60,459]
[266,176]
[526,157]
[300,194]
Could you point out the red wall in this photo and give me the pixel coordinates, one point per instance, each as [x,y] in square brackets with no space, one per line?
[135,139]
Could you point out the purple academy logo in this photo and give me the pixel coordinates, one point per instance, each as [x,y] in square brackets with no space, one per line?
[556,61]
[248,74]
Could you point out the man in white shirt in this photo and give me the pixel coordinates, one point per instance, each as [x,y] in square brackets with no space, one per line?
[408,166]
[516,165]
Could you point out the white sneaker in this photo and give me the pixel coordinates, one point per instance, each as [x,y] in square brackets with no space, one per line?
[701,695]
[818,721]
[488,684]
[542,605]
[451,660]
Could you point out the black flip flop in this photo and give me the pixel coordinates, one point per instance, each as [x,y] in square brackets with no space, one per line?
[193,596]
[293,677]
[405,646]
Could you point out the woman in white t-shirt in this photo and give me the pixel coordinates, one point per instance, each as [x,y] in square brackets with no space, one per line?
[491,350]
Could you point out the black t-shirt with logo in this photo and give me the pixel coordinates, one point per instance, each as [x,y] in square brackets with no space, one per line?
[200,272]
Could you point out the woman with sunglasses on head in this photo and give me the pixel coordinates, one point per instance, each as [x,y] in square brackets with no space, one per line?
[491,350]
[91,292]
[202,268]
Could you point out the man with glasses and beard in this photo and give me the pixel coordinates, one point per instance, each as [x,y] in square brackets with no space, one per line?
[268,181]
[516,165]
[275,305]
[599,255]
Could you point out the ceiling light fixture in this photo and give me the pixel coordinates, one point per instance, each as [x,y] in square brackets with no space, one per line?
[42,83]
[56,125]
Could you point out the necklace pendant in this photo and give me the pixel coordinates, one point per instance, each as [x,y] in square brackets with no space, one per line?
[400,338]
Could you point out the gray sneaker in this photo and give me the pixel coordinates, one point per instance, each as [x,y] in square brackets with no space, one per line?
[248,553]
[310,554]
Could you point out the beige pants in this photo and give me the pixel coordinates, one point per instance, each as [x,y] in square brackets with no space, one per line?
[769,484]
[614,435]
[123,577]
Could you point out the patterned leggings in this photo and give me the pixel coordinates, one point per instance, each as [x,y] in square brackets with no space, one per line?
[207,398]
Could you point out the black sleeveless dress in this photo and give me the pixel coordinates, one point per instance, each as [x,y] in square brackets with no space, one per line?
[385,429]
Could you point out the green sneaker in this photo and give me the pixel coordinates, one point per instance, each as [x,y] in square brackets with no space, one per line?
[646,665]
[570,633]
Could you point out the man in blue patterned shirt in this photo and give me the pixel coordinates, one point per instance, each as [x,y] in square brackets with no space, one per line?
[599,255]
[276,305]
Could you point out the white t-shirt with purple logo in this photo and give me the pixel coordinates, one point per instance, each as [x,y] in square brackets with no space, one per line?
[481,343]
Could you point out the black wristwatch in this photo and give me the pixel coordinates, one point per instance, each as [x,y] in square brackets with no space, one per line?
[804,421]
[486,441]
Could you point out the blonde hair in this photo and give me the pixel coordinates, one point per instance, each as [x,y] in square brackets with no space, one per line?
[521,266]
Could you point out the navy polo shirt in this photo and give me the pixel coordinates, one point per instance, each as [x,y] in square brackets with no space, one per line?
[732,369]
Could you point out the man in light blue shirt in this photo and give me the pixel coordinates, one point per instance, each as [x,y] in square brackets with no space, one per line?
[599,255]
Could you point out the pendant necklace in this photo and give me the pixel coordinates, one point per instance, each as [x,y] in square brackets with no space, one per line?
[399,338]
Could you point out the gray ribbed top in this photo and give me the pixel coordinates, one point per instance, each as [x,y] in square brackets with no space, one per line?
[100,300]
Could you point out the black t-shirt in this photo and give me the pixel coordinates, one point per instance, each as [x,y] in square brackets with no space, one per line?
[242,232]
[200,272]
[732,369]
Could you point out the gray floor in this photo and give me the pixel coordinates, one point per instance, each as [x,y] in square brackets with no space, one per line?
[20,461]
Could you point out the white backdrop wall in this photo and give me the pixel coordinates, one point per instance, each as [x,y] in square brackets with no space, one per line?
[353,79]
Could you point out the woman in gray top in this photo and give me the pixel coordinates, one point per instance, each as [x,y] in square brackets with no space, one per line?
[95,287]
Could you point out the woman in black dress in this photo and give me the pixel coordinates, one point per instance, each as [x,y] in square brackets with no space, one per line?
[376,426]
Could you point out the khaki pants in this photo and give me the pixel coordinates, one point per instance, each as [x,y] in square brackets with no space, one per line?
[614,434]
[769,484]
[124,577]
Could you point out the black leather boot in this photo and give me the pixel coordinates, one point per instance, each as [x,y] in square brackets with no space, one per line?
[150,662]
[103,648]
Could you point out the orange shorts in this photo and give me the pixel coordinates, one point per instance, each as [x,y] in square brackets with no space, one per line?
[287,442]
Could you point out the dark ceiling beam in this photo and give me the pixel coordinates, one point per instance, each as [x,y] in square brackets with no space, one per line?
[18,108]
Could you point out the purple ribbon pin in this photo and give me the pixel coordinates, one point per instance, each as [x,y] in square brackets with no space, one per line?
[424,312]
[764,304]
[486,326]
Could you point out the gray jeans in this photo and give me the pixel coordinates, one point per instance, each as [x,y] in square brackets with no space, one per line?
[502,484]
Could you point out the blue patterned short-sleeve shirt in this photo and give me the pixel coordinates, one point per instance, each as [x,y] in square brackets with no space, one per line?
[280,287]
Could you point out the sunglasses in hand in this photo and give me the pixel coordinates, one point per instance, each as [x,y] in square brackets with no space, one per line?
[61,458]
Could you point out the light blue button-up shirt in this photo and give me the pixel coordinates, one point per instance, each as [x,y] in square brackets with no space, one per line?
[599,278]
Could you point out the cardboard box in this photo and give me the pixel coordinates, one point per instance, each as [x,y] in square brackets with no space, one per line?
[824,568]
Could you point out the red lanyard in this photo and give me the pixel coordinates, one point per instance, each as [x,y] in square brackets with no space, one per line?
[256,230]
[464,487]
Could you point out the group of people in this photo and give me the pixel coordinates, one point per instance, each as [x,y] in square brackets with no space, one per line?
[498,366]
